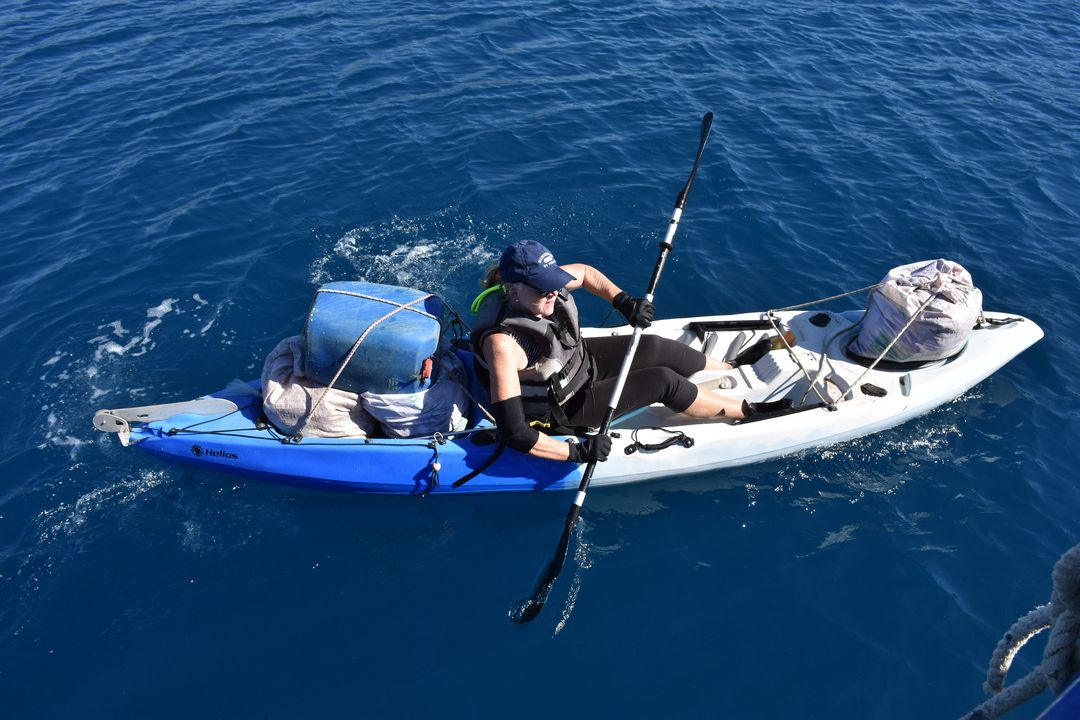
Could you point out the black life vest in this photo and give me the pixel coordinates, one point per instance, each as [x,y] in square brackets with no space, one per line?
[563,366]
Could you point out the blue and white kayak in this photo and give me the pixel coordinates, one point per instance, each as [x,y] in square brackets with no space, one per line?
[836,398]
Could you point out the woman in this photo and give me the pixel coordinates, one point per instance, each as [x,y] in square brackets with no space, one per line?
[527,342]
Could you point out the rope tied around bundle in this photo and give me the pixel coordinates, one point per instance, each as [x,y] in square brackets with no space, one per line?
[398,307]
[1061,658]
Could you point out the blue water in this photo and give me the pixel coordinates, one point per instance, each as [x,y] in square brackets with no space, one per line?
[177,179]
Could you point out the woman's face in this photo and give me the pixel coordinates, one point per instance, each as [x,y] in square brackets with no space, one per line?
[536,301]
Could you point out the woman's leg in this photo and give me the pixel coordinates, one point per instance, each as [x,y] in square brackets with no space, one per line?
[708,404]
[645,387]
[652,351]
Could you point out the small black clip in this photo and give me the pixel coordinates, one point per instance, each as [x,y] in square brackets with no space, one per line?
[873,390]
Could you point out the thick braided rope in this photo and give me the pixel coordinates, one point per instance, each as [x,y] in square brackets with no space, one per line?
[348,358]
[1061,658]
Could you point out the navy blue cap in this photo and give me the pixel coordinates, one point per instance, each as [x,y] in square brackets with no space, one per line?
[529,262]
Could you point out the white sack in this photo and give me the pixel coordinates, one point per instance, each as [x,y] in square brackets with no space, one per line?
[289,396]
[441,408]
[940,330]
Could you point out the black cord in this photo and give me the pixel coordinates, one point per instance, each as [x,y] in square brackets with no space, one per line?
[677,437]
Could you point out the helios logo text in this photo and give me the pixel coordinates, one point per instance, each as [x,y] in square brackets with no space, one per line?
[200,451]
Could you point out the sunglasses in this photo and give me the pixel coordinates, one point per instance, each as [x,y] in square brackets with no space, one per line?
[538,294]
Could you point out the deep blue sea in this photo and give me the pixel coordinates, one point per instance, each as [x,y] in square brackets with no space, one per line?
[177,178]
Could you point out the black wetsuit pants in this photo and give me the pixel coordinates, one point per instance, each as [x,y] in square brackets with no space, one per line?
[658,374]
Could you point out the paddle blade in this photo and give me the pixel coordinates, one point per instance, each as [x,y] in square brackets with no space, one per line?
[528,609]
[706,127]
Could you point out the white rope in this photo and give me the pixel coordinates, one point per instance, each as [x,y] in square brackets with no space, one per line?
[463,383]
[770,315]
[399,306]
[888,347]
[1061,658]
[806,373]
[478,404]
[344,363]
[828,299]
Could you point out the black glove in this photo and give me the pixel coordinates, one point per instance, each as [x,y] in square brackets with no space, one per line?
[591,448]
[637,311]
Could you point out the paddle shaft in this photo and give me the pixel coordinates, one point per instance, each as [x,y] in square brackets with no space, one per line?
[533,606]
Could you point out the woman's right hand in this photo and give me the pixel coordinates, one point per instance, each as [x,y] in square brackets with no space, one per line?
[594,448]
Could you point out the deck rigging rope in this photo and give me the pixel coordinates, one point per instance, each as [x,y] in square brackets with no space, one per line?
[828,402]
[1061,658]
[819,301]
[888,347]
[771,317]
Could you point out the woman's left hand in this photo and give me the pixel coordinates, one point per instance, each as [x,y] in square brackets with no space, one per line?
[637,311]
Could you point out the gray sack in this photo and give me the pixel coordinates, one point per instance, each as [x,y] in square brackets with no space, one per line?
[939,331]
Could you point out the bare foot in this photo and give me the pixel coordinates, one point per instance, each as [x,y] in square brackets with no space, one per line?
[712,363]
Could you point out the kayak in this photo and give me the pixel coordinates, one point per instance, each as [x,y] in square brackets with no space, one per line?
[834,396]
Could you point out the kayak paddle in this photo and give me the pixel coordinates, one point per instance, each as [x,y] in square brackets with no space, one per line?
[529,609]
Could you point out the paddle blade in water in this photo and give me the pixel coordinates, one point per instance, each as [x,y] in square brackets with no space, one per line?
[527,610]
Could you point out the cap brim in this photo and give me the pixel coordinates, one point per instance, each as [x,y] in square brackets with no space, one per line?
[555,278]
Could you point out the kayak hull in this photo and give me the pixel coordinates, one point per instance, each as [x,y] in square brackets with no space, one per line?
[843,400]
